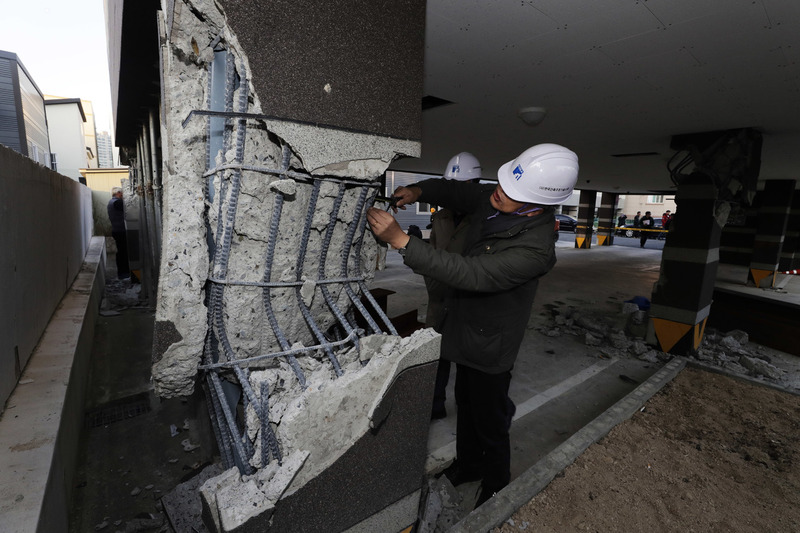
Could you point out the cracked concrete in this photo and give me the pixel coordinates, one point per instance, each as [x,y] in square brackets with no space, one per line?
[317,427]
[292,214]
[185,267]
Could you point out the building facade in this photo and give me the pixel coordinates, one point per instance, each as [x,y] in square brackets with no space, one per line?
[23,121]
[105,150]
[65,119]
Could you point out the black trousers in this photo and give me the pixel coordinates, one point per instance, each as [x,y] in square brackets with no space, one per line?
[121,238]
[440,388]
[483,420]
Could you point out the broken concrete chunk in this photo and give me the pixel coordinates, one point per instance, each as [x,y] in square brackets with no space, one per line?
[188,446]
[287,186]
[592,340]
[275,482]
[629,307]
[638,347]
[307,291]
[651,356]
[740,336]
[595,326]
[730,343]
[759,367]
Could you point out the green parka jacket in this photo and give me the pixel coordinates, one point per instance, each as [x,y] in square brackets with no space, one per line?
[492,283]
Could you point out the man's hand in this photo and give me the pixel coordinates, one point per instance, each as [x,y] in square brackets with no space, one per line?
[406,195]
[386,228]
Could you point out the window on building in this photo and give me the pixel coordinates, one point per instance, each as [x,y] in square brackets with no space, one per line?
[423,208]
[655,199]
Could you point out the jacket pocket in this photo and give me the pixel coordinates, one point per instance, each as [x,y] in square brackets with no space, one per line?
[482,345]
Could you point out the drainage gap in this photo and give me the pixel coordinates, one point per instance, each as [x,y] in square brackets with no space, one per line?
[118,410]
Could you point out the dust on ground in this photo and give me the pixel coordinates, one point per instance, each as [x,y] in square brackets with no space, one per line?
[707,453]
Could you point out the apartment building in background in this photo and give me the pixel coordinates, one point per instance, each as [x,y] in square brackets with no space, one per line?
[23,120]
[105,150]
[66,119]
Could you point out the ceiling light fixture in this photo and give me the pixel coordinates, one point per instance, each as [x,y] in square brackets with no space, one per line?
[532,116]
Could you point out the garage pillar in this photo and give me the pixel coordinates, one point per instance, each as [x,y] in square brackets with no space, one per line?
[790,256]
[682,296]
[606,219]
[586,207]
[773,215]
[736,244]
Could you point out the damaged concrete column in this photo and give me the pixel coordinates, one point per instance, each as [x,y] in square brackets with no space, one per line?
[278,128]
[682,297]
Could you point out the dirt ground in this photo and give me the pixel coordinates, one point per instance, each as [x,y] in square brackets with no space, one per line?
[707,453]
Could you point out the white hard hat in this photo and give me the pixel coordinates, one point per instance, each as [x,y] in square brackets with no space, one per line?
[542,174]
[462,167]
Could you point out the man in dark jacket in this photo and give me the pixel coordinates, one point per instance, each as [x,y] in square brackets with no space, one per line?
[646,223]
[491,286]
[116,214]
[448,229]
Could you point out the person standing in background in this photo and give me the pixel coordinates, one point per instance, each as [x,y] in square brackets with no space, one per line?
[447,233]
[646,223]
[116,214]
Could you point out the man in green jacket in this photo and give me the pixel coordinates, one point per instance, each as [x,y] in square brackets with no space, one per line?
[509,245]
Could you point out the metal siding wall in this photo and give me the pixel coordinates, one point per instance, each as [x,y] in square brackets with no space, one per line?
[34,116]
[9,125]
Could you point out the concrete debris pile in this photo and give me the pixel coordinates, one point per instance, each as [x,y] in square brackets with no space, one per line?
[733,351]
[624,335]
[613,336]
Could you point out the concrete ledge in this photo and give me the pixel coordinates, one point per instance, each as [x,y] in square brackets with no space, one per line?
[41,426]
[498,509]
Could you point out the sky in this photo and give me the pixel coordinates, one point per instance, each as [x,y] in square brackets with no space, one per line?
[62,44]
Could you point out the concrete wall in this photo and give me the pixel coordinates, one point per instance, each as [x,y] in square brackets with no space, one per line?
[46,222]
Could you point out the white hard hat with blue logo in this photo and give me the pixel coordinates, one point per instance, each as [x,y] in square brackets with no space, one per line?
[462,167]
[543,174]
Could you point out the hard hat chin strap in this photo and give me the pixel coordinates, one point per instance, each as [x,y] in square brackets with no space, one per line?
[521,211]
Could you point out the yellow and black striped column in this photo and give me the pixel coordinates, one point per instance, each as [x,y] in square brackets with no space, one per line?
[773,215]
[586,207]
[790,255]
[606,221]
[681,299]
[736,244]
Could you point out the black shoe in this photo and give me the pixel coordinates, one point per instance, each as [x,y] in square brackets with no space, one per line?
[459,476]
[486,494]
[484,497]
[438,413]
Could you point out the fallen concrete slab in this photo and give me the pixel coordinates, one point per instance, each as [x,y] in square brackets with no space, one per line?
[352,449]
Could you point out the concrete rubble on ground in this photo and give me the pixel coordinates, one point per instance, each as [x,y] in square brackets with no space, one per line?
[623,336]
[443,506]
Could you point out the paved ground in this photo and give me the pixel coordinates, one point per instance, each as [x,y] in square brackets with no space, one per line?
[560,384]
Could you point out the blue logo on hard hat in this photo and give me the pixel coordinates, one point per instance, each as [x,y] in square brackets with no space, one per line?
[518,172]
[456,168]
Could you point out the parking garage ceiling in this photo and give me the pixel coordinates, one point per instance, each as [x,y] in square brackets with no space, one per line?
[618,78]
